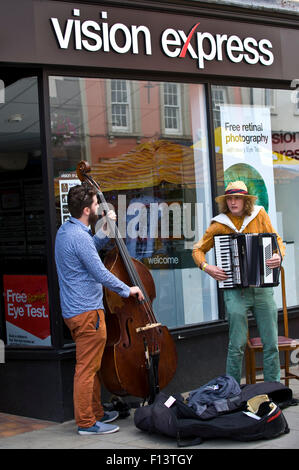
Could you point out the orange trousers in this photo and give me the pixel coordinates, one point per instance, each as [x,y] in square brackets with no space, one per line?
[88,331]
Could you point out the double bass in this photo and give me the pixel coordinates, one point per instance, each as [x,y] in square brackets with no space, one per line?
[140,356]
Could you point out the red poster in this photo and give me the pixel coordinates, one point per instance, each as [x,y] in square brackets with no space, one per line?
[26,303]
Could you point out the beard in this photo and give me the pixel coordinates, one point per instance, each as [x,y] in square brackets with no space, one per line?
[92,219]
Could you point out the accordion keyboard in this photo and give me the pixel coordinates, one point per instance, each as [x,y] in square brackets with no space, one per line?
[222,246]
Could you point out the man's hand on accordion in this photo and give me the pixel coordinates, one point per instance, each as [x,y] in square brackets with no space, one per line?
[216,272]
[274,262]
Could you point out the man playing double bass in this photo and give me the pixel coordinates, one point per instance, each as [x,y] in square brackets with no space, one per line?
[81,275]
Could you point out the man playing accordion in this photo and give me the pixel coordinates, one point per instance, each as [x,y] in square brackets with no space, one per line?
[239,214]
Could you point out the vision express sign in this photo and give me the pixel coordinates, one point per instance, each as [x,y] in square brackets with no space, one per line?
[62,33]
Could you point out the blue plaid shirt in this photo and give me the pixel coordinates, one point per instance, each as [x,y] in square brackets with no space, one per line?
[81,272]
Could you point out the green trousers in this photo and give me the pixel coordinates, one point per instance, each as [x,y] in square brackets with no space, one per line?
[262,303]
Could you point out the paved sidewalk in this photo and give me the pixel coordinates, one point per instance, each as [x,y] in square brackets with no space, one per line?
[64,436]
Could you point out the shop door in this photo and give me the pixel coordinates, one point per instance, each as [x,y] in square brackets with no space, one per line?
[23,267]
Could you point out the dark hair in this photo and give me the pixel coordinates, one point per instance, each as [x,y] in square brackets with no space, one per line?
[80,196]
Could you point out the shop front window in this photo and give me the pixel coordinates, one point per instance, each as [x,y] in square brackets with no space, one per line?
[155,175]
[24,302]
[257,141]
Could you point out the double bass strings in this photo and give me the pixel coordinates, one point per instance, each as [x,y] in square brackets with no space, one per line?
[151,332]
[134,277]
[146,304]
[154,337]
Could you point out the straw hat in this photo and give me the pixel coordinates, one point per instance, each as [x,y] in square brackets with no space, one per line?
[235,188]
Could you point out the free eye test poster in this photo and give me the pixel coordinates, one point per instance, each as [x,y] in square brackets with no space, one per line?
[26,303]
[247,152]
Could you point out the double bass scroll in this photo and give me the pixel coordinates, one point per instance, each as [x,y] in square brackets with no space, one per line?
[140,356]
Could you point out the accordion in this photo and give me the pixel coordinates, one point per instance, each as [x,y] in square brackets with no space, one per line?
[243,257]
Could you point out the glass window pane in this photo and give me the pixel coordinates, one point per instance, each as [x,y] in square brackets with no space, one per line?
[159,188]
[23,261]
[257,141]
[120,106]
[172,108]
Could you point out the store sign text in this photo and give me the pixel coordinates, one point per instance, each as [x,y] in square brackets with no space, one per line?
[18,306]
[95,36]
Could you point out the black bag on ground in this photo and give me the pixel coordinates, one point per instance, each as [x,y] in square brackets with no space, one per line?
[181,422]
[223,394]
[276,391]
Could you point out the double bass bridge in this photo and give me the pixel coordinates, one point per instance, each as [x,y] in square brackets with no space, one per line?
[148,326]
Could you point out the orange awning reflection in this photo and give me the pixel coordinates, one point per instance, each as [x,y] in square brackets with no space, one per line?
[150,163]
[147,165]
